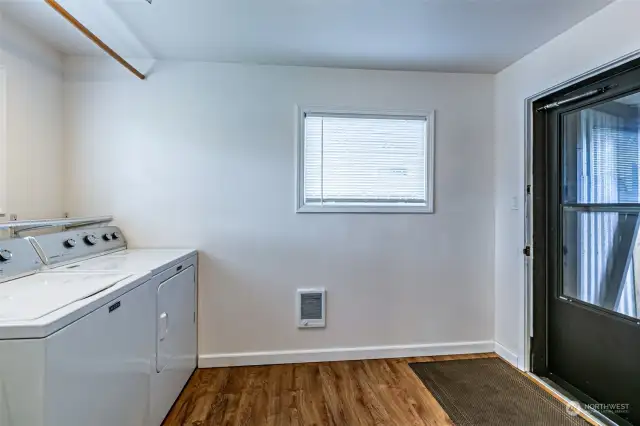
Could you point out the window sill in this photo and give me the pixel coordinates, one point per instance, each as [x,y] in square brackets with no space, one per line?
[420,209]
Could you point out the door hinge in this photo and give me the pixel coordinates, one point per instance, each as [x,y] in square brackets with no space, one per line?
[527,251]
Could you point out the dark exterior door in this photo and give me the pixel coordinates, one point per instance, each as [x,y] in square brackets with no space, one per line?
[586,201]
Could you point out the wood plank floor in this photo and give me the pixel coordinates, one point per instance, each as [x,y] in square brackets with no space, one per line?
[350,393]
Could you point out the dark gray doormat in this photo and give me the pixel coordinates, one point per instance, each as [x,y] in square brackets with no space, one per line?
[488,391]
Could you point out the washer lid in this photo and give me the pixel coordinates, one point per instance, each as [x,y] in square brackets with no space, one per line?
[35,296]
[132,260]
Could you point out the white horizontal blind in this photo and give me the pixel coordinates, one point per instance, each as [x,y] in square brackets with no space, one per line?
[365,160]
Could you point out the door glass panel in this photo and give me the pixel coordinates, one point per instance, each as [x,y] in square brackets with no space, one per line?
[601,205]
[600,153]
[602,260]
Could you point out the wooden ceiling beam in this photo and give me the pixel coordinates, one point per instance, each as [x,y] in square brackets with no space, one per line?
[95,39]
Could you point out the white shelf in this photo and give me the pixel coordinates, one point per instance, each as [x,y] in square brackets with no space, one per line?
[17,226]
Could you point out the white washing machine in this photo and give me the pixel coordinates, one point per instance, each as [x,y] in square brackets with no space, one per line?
[74,347]
[173,279]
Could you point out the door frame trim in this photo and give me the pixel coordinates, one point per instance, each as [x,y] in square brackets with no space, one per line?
[526,307]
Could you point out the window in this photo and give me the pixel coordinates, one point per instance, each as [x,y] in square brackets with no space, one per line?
[362,163]
[602,151]
[3,142]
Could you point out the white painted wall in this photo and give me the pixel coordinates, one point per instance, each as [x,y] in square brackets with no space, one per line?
[202,155]
[193,119]
[31,153]
[603,37]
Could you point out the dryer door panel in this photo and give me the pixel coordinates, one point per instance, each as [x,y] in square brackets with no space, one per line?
[176,326]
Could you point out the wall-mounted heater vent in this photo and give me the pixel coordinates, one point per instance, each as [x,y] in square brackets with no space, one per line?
[311,307]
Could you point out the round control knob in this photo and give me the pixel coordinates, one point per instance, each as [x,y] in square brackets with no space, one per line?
[116,235]
[70,243]
[5,255]
[90,239]
[106,237]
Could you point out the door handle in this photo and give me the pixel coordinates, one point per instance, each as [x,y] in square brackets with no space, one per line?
[163,326]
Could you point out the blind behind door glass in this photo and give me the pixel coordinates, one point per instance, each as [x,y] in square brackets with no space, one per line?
[601,205]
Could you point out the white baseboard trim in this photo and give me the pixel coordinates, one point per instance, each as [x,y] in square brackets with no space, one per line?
[506,354]
[341,354]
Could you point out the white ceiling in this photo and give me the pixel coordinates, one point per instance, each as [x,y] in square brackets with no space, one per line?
[432,35]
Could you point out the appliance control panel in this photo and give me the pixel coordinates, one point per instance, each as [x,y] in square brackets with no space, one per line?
[17,257]
[77,244]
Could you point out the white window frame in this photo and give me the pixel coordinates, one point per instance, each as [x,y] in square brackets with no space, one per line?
[301,207]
